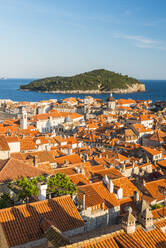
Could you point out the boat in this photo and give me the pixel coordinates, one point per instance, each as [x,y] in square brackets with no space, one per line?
[3,77]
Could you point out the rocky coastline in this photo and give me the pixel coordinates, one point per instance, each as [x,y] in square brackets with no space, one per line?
[130,89]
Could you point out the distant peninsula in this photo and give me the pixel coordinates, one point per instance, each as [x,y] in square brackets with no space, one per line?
[93,82]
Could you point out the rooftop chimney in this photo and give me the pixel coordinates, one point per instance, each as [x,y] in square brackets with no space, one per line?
[136,196]
[128,222]
[35,161]
[77,170]
[42,191]
[109,183]
[84,204]
[120,193]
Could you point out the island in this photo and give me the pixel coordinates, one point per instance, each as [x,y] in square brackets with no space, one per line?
[93,82]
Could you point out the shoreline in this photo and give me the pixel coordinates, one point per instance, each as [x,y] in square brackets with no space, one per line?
[133,89]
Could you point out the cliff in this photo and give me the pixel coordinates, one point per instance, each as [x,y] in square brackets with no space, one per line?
[94,82]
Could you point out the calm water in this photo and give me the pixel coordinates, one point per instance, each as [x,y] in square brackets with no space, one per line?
[155,90]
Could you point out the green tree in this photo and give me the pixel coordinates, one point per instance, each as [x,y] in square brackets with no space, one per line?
[60,184]
[86,81]
[25,188]
[38,179]
[5,201]
[156,206]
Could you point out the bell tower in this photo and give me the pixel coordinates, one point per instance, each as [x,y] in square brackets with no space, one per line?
[23,119]
[111,103]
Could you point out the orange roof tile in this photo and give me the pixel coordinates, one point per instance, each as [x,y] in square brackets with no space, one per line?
[97,193]
[79,179]
[72,159]
[15,169]
[151,239]
[27,144]
[162,163]
[3,144]
[125,101]
[127,186]
[21,224]
[153,188]
[151,151]
[11,139]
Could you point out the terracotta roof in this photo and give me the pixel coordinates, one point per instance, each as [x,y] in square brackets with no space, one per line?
[11,139]
[110,172]
[160,223]
[42,156]
[69,170]
[21,224]
[72,159]
[155,214]
[105,241]
[101,161]
[3,144]
[153,188]
[79,179]
[151,151]
[41,140]
[159,136]
[55,237]
[56,114]
[97,193]
[74,115]
[121,157]
[144,118]
[17,155]
[15,169]
[151,239]
[127,186]
[162,163]
[129,132]
[27,144]
[59,139]
[125,101]
[46,167]
[2,163]
[91,196]
[154,238]
[125,240]
[139,239]
[161,212]
[140,128]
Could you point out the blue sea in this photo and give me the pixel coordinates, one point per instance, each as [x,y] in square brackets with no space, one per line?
[9,89]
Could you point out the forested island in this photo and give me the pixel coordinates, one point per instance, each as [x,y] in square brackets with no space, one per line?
[96,81]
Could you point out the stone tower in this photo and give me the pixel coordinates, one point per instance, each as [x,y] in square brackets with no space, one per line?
[23,119]
[128,222]
[111,103]
[145,216]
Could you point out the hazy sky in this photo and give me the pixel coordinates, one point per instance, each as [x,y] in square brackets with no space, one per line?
[41,38]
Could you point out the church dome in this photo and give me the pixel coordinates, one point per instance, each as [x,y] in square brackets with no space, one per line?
[110,98]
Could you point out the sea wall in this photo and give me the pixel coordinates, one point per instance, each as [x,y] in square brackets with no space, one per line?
[130,89]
